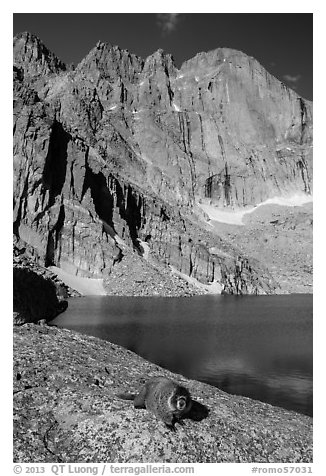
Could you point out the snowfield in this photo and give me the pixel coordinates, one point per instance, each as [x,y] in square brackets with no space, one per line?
[236,217]
[85,286]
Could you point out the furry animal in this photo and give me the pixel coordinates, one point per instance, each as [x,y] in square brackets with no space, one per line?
[166,399]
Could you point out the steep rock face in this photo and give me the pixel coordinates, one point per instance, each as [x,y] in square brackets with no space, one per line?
[125,149]
[254,131]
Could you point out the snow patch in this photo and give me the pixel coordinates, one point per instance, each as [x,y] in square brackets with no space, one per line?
[227,92]
[213,288]
[85,286]
[236,217]
[176,108]
[223,216]
[135,112]
[145,247]
[296,200]
[119,240]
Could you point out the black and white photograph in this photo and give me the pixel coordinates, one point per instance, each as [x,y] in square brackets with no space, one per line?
[162,240]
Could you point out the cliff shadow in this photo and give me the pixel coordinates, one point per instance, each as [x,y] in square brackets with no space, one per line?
[114,203]
[54,172]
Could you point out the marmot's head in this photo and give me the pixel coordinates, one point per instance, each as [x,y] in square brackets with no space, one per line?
[180,400]
[181,403]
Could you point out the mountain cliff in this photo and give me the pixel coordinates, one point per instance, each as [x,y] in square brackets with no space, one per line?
[121,153]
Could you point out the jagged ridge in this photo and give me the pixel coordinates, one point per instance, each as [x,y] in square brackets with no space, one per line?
[112,150]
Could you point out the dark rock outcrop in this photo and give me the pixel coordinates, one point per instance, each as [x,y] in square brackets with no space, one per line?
[125,149]
[66,410]
[38,294]
[35,298]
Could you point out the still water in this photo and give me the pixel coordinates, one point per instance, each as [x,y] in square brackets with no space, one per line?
[257,346]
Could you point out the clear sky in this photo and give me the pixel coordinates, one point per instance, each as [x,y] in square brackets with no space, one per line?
[281,42]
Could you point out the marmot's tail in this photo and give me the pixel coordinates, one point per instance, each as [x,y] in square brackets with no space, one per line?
[126,396]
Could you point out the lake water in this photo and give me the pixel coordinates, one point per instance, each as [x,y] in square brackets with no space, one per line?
[257,346]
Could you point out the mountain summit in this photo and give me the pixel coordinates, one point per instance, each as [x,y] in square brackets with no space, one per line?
[33,57]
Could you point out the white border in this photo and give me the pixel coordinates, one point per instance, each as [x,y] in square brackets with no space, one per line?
[168,6]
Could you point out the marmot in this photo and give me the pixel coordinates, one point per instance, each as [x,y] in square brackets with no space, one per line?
[166,399]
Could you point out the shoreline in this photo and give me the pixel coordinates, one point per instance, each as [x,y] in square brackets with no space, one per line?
[94,287]
[236,374]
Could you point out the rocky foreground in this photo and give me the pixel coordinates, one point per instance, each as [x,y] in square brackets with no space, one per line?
[66,410]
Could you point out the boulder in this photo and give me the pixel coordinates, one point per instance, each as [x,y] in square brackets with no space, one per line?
[34,296]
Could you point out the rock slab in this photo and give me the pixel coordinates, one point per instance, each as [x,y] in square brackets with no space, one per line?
[66,410]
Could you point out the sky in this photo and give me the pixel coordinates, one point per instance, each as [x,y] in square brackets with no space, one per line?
[281,42]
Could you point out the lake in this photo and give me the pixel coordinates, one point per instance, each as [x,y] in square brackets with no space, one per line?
[256,346]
